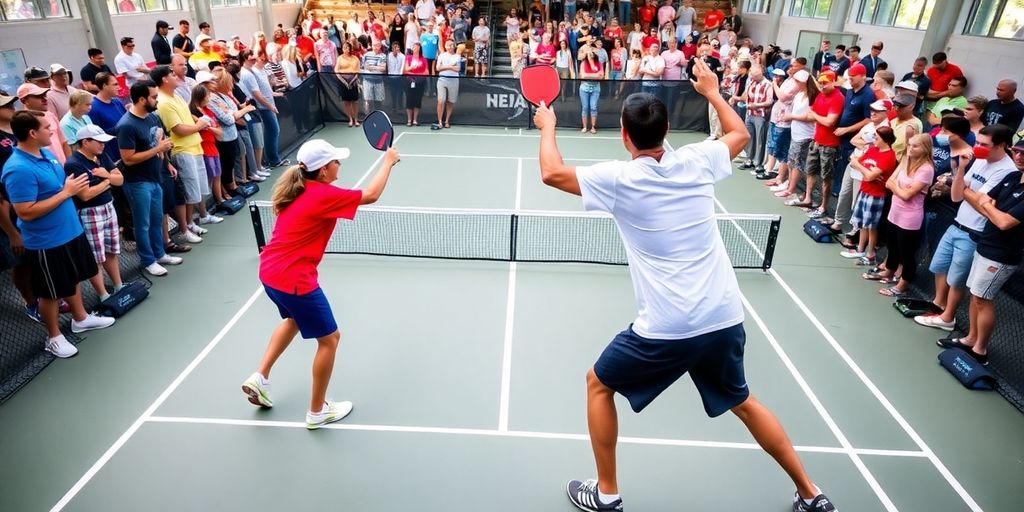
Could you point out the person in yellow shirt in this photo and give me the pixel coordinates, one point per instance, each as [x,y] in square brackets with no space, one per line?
[186,150]
[200,60]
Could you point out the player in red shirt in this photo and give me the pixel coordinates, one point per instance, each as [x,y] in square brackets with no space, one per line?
[307,208]
[876,165]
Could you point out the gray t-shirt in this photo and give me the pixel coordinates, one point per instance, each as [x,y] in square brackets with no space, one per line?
[685,15]
[448,59]
[483,33]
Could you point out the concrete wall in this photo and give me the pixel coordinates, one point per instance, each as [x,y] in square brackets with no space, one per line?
[66,40]
[985,61]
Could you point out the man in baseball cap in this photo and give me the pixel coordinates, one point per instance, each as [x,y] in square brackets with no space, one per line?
[856,114]
[59,97]
[37,75]
[33,98]
[904,104]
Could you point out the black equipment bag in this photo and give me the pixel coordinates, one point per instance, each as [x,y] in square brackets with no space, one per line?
[121,301]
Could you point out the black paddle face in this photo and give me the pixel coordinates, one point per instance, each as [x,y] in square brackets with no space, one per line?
[379,131]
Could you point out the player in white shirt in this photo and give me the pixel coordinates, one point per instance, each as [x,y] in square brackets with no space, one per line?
[690,317]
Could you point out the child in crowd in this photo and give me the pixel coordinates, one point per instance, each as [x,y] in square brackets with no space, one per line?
[876,166]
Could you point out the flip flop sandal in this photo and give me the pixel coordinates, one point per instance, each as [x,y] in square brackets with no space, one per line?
[873,275]
[798,203]
[889,280]
[892,291]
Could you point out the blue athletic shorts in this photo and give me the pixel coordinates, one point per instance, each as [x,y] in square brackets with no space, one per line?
[311,312]
[640,368]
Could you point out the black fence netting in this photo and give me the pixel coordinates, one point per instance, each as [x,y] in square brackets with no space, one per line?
[497,101]
[21,339]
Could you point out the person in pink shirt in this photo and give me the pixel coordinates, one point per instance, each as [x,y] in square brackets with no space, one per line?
[675,63]
[666,14]
[545,51]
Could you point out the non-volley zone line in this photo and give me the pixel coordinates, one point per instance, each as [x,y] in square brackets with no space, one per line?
[856,369]
[523,434]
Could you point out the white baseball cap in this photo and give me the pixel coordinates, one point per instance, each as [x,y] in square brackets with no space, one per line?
[909,85]
[204,76]
[93,132]
[317,153]
[801,76]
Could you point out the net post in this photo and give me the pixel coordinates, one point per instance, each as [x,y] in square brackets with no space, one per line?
[769,250]
[257,226]
[513,233]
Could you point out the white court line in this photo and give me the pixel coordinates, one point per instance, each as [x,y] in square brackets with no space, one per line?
[518,434]
[107,455]
[845,356]
[375,163]
[148,413]
[510,312]
[456,134]
[491,157]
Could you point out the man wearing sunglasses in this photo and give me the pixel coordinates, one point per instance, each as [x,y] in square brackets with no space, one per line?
[129,63]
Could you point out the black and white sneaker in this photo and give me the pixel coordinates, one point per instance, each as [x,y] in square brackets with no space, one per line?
[584,496]
[821,503]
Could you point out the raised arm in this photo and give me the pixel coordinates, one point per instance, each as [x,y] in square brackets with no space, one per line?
[375,188]
[706,83]
[553,171]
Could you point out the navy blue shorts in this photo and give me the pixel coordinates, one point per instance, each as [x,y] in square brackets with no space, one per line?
[640,368]
[311,312]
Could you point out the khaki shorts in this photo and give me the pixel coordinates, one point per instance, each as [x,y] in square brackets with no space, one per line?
[821,161]
[447,89]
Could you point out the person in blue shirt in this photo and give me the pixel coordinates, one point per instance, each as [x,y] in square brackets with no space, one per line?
[428,43]
[56,248]
[107,110]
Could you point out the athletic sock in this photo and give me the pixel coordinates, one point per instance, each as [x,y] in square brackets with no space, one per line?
[817,492]
[263,380]
[606,498]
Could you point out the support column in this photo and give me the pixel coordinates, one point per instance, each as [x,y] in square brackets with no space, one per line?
[775,20]
[941,27]
[266,8]
[101,30]
[200,12]
[838,16]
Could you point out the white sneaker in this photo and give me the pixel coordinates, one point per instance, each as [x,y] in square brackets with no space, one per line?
[155,269]
[256,177]
[935,321]
[167,259]
[90,323]
[197,230]
[257,389]
[191,237]
[211,219]
[332,411]
[263,172]
[711,137]
[266,170]
[780,187]
[60,347]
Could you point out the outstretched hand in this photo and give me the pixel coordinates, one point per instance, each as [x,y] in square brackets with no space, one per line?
[706,81]
[544,118]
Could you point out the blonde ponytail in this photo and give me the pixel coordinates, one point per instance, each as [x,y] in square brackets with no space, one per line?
[288,187]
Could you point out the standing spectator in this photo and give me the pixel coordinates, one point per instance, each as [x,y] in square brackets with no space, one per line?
[77,116]
[512,24]
[905,126]
[59,95]
[12,246]
[518,50]
[780,129]
[591,71]
[396,32]
[186,149]
[566,68]
[142,144]
[129,63]
[952,259]
[38,76]
[56,247]
[940,74]
[92,68]
[460,27]
[428,44]
[684,20]
[306,47]
[997,256]
[182,45]
[953,98]
[327,53]
[875,167]
[1006,109]
[863,141]
[713,20]
[425,12]
[447,85]
[396,84]
[838,62]
[200,60]
[374,65]
[95,204]
[823,153]
[734,20]
[873,61]
[856,113]
[647,15]
[652,66]
[107,110]
[404,8]
[759,97]
[481,50]
[265,106]
[220,108]
[185,83]
[161,47]
[909,186]
[822,57]
[415,69]
[348,74]
[33,98]
[205,29]
[802,129]
[921,81]
[199,106]
[666,13]
[625,11]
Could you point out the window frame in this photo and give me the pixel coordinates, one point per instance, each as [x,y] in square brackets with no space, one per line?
[43,15]
[141,8]
[972,18]
[798,6]
[868,14]
[758,6]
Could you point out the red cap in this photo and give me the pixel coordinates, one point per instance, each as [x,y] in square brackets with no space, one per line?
[827,76]
[858,69]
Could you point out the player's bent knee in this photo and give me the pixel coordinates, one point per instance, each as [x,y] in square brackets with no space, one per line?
[594,384]
[331,340]
[745,407]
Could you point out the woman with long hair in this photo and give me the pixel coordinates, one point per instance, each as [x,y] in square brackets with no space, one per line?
[565,66]
[199,107]
[348,74]
[801,136]
[396,32]
[591,71]
[307,208]
[909,186]
[412,31]
[512,23]
[416,70]
[223,110]
[334,30]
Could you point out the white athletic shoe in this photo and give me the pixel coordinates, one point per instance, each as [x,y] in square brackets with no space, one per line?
[332,411]
[197,230]
[90,323]
[191,237]
[155,269]
[258,390]
[780,187]
[60,347]
[211,219]
[263,172]
[256,177]
[167,259]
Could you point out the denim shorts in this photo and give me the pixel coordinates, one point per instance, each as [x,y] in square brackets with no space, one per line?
[954,256]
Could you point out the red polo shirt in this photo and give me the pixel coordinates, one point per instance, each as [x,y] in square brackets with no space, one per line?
[824,105]
[940,79]
[288,263]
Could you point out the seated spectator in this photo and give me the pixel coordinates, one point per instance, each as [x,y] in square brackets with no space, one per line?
[129,63]
[1005,109]
[953,98]
[56,246]
[952,259]
[999,247]
[95,204]
[919,84]
[909,186]
[974,112]
[875,166]
[77,117]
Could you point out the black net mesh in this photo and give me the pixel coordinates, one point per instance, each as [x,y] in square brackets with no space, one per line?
[497,102]
[499,235]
